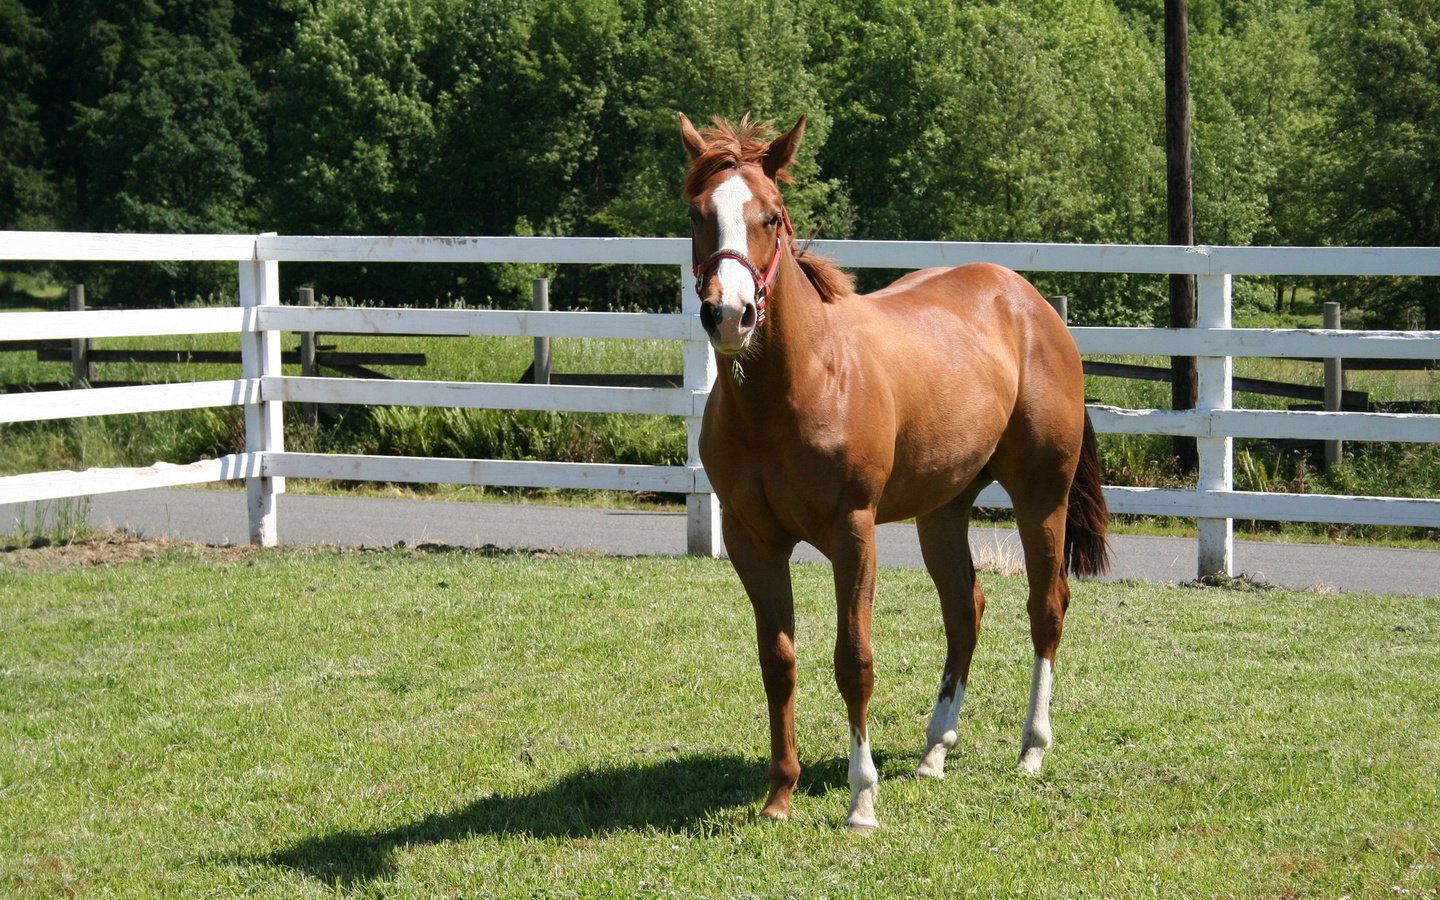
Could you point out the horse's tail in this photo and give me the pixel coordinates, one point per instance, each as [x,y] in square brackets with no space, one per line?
[1087,520]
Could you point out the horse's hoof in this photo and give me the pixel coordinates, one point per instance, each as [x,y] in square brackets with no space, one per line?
[863,826]
[774,815]
[932,764]
[1032,760]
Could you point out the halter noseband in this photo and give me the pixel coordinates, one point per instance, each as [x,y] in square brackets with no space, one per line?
[763,281]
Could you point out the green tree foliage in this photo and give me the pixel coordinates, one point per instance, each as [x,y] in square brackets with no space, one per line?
[354,120]
[354,132]
[27,195]
[170,152]
[1021,121]
[705,59]
[1257,96]
[1378,175]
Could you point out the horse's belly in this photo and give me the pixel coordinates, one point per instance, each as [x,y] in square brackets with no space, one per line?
[913,492]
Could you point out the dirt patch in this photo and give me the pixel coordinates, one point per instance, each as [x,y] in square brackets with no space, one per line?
[120,549]
[115,550]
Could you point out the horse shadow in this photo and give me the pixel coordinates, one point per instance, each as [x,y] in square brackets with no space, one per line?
[678,796]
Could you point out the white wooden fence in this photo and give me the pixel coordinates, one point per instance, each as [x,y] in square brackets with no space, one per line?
[260,320]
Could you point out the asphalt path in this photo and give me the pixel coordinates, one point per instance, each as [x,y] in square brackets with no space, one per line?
[219,518]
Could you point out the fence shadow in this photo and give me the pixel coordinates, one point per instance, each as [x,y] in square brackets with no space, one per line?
[674,796]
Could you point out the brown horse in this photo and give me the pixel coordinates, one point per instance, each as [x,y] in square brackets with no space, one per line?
[834,412]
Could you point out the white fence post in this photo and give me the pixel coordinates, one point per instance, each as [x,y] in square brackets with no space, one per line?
[702,529]
[1215,391]
[264,422]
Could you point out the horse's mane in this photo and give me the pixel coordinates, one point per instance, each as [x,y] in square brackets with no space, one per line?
[730,147]
[829,279]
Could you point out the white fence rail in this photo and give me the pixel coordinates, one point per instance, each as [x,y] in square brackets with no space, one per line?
[262,388]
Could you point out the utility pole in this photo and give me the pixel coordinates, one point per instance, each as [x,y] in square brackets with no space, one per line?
[1180,205]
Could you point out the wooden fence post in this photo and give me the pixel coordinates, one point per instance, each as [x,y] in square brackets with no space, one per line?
[702,529]
[1334,384]
[1215,456]
[264,419]
[308,369]
[540,302]
[82,370]
[1061,304]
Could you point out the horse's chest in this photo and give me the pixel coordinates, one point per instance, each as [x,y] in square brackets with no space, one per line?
[786,475]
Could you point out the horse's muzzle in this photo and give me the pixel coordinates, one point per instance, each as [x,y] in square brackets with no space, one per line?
[729,328]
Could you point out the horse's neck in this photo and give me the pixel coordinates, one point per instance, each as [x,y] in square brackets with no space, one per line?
[796,341]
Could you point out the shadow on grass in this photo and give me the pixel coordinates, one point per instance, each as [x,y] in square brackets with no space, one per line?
[678,795]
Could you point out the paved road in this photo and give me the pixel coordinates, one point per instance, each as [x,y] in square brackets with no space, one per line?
[218,517]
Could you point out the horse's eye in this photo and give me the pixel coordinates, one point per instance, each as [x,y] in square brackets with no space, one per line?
[774,221]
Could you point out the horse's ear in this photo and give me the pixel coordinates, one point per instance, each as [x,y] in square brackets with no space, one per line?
[694,143]
[781,151]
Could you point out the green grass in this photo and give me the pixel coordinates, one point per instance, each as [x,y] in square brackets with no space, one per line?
[178,721]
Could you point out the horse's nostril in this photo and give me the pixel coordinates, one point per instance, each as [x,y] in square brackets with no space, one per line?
[747,318]
[709,317]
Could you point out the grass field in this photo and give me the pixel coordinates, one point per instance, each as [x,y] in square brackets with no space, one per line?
[183,721]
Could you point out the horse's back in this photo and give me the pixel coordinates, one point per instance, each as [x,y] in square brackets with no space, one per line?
[967,288]
[975,315]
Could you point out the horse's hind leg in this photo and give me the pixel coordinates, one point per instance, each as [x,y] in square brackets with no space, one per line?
[945,545]
[1042,534]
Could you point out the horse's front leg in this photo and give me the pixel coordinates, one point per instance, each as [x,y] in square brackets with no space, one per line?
[853,556]
[764,570]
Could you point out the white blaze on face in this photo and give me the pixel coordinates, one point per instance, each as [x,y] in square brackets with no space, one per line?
[737,287]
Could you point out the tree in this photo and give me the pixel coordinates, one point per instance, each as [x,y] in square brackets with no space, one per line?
[519,129]
[94,48]
[1314,121]
[354,120]
[560,119]
[354,134]
[1380,177]
[1257,96]
[169,152]
[1022,121]
[27,194]
[1180,209]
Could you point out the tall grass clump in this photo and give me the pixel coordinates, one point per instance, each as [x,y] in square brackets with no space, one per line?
[525,435]
[42,524]
[180,436]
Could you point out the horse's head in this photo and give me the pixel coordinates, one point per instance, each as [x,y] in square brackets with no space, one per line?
[738,221]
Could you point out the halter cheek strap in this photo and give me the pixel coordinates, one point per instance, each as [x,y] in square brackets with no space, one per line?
[764,281]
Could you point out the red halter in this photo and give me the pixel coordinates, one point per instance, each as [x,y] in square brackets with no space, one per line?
[763,281]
